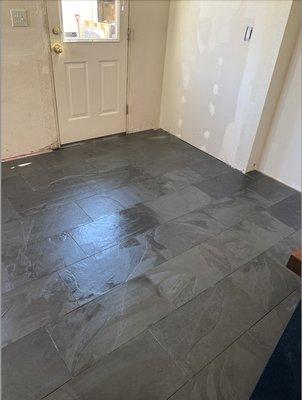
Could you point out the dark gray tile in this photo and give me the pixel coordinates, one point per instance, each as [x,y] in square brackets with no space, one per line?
[255,175]
[112,179]
[173,238]
[8,212]
[231,210]
[282,251]
[161,167]
[288,211]
[101,326]
[265,281]
[100,273]
[32,368]
[142,190]
[144,371]
[178,203]
[246,240]
[210,167]
[181,177]
[185,276]
[37,201]
[271,189]
[199,330]
[235,373]
[29,261]
[14,187]
[225,184]
[110,230]
[99,205]
[43,224]
[31,306]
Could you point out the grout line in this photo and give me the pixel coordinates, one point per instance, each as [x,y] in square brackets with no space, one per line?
[233,342]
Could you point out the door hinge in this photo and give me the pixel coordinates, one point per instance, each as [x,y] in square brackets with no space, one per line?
[127,109]
[129,34]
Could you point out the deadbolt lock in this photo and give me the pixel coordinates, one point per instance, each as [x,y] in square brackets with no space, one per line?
[56,30]
[57,48]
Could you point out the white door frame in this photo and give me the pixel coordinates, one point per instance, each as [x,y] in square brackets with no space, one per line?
[59,143]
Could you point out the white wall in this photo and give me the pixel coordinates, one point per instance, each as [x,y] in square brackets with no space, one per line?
[215,84]
[281,157]
[28,118]
[149,20]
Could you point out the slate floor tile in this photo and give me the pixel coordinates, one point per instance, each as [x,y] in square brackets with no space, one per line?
[209,167]
[168,240]
[90,332]
[246,240]
[112,229]
[288,211]
[231,210]
[225,184]
[178,203]
[56,177]
[265,281]
[43,224]
[33,305]
[271,189]
[181,177]
[282,251]
[99,205]
[144,371]
[235,373]
[118,177]
[32,368]
[100,273]
[8,212]
[27,262]
[37,201]
[142,190]
[199,330]
[184,276]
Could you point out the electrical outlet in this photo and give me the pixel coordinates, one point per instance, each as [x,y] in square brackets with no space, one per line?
[19,18]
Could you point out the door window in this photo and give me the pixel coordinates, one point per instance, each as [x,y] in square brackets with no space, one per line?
[90,20]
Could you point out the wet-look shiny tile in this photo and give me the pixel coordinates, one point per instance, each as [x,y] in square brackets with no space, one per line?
[111,229]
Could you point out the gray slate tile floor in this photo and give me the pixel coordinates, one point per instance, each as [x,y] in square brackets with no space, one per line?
[140,268]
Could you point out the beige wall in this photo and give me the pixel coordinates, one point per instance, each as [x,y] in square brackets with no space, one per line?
[215,84]
[281,157]
[149,19]
[28,117]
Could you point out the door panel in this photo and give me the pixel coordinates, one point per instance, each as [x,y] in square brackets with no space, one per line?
[109,93]
[90,74]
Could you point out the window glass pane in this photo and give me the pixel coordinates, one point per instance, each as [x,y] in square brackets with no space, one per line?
[90,20]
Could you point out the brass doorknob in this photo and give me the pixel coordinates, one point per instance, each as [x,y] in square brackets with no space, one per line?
[57,48]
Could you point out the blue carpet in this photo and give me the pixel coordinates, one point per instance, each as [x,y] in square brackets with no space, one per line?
[281,378]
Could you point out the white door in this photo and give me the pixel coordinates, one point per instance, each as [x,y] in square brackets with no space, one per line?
[89,55]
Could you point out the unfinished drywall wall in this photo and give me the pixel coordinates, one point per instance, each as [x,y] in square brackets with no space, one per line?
[215,83]
[281,157]
[276,83]
[28,116]
[148,23]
